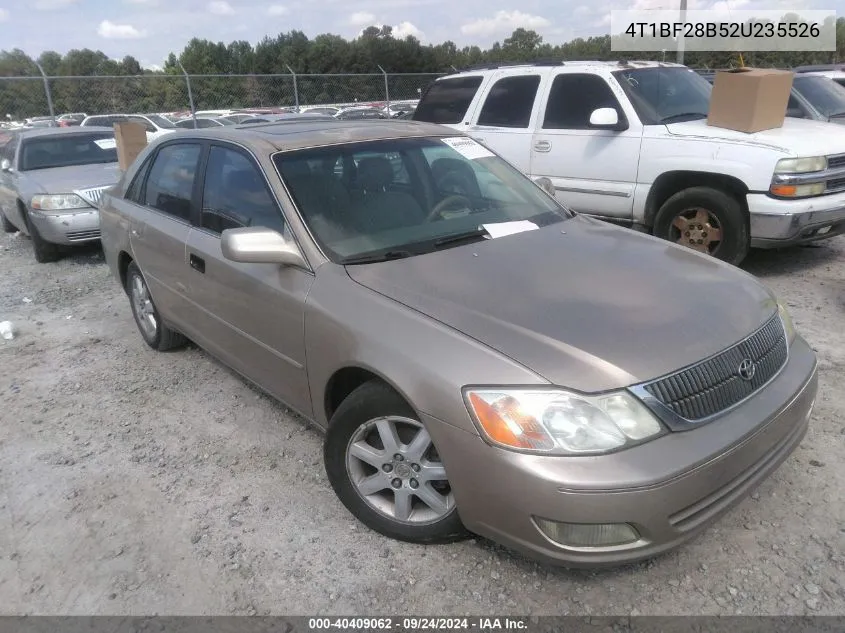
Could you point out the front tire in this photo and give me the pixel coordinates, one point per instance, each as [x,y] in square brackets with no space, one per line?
[707,220]
[153,330]
[44,251]
[383,466]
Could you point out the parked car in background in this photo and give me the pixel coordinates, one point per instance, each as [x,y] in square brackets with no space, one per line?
[51,182]
[812,97]
[204,122]
[155,124]
[328,110]
[282,118]
[629,142]
[358,114]
[40,121]
[71,119]
[318,258]
[211,114]
[238,118]
[836,72]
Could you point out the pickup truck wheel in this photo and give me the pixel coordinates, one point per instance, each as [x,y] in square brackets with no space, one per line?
[385,469]
[707,220]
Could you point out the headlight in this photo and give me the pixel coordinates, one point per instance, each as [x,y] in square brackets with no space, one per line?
[786,319]
[798,191]
[58,202]
[557,422]
[801,165]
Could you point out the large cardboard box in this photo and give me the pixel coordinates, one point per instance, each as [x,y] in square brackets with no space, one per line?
[131,139]
[750,99]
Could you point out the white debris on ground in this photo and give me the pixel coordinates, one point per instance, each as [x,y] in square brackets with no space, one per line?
[7,330]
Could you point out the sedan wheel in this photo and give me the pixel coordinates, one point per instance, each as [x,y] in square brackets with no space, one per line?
[153,330]
[385,468]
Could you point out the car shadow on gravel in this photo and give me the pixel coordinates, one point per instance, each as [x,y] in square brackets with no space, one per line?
[90,254]
[771,262]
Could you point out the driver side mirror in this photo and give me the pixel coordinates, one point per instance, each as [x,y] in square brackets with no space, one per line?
[607,118]
[259,245]
[6,165]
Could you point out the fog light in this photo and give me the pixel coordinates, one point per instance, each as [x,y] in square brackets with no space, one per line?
[588,534]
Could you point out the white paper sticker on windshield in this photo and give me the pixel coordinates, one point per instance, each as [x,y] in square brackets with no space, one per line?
[467,147]
[106,143]
[500,229]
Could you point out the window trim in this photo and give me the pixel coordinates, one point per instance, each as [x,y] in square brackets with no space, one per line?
[624,122]
[152,159]
[532,112]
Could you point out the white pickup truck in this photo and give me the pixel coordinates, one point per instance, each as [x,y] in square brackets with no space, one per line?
[629,142]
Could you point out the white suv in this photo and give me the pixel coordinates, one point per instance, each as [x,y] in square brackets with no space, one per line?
[629,142]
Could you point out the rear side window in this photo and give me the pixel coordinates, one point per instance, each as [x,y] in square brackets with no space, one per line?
[447,101]
[510,101]
[170,184]
[573,98]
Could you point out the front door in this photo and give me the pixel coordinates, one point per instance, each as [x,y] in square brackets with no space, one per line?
[593,170]
[250,315]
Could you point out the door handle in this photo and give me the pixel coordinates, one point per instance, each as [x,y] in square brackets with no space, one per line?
[197,263]
[543,146]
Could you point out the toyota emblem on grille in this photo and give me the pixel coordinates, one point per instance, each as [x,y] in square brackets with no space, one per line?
[747,369]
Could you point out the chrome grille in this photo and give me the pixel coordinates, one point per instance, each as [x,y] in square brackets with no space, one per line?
[836,161]
[92,195]
[81,236]
[714,385]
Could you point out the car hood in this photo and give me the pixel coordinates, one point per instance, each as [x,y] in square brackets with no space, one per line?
[799,137]
[593,308]
[73,178]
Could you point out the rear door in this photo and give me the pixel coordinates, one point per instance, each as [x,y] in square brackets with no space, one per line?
[507,116]
[250,315]
[165,198]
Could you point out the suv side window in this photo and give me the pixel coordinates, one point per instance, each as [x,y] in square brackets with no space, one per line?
[510,101]
[572,99]
[170,184]
[235,194]
[447,101]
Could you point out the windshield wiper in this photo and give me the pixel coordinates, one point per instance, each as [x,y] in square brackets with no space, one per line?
[466,236]
[376,257]
[681,115]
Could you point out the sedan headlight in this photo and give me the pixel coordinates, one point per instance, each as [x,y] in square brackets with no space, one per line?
[60,202]
[786,319]
[557,422]
[801,165]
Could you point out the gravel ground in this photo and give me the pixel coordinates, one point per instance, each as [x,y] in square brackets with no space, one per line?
[141,483]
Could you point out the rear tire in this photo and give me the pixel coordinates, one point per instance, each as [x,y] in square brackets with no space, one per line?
[153,330]
[45,252]
[716,212]
[398,489]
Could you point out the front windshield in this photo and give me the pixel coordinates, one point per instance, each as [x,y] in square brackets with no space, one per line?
[827,96]
[44,152]
[666,95]
[403,197]
[160,121]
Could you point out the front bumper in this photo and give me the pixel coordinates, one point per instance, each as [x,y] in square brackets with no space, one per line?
[71,227]
[669,489]
[776,223]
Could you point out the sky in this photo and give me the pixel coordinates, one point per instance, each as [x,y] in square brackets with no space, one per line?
[150,29]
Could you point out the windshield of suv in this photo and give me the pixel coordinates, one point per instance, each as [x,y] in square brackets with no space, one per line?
[826,96]
[44,152]
[666,95]
[395,198]
[160,121]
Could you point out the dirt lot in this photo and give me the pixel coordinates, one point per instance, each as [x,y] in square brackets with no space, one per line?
[135,482]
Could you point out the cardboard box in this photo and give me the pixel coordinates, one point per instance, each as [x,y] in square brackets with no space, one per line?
[131,139]
[750,99]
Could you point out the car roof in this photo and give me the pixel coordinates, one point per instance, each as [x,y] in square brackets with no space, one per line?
[63,131]
[580,64]
[302,133]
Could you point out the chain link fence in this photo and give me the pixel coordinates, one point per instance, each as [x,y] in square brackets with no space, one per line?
[27,97]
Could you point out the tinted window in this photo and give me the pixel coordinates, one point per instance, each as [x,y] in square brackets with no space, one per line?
[68,150]
[510,101]
[447,100]
[170,184]
[666,95]
[573,98]
[236,195]
[161,121]
[827,96]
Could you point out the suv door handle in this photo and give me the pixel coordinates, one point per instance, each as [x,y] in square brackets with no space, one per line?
[543,146]
[197,263]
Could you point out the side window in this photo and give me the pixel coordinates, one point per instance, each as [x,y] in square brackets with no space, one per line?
[447,101]
[510,101]
[573,98]
[170,184]
[134,191]
[235,194]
